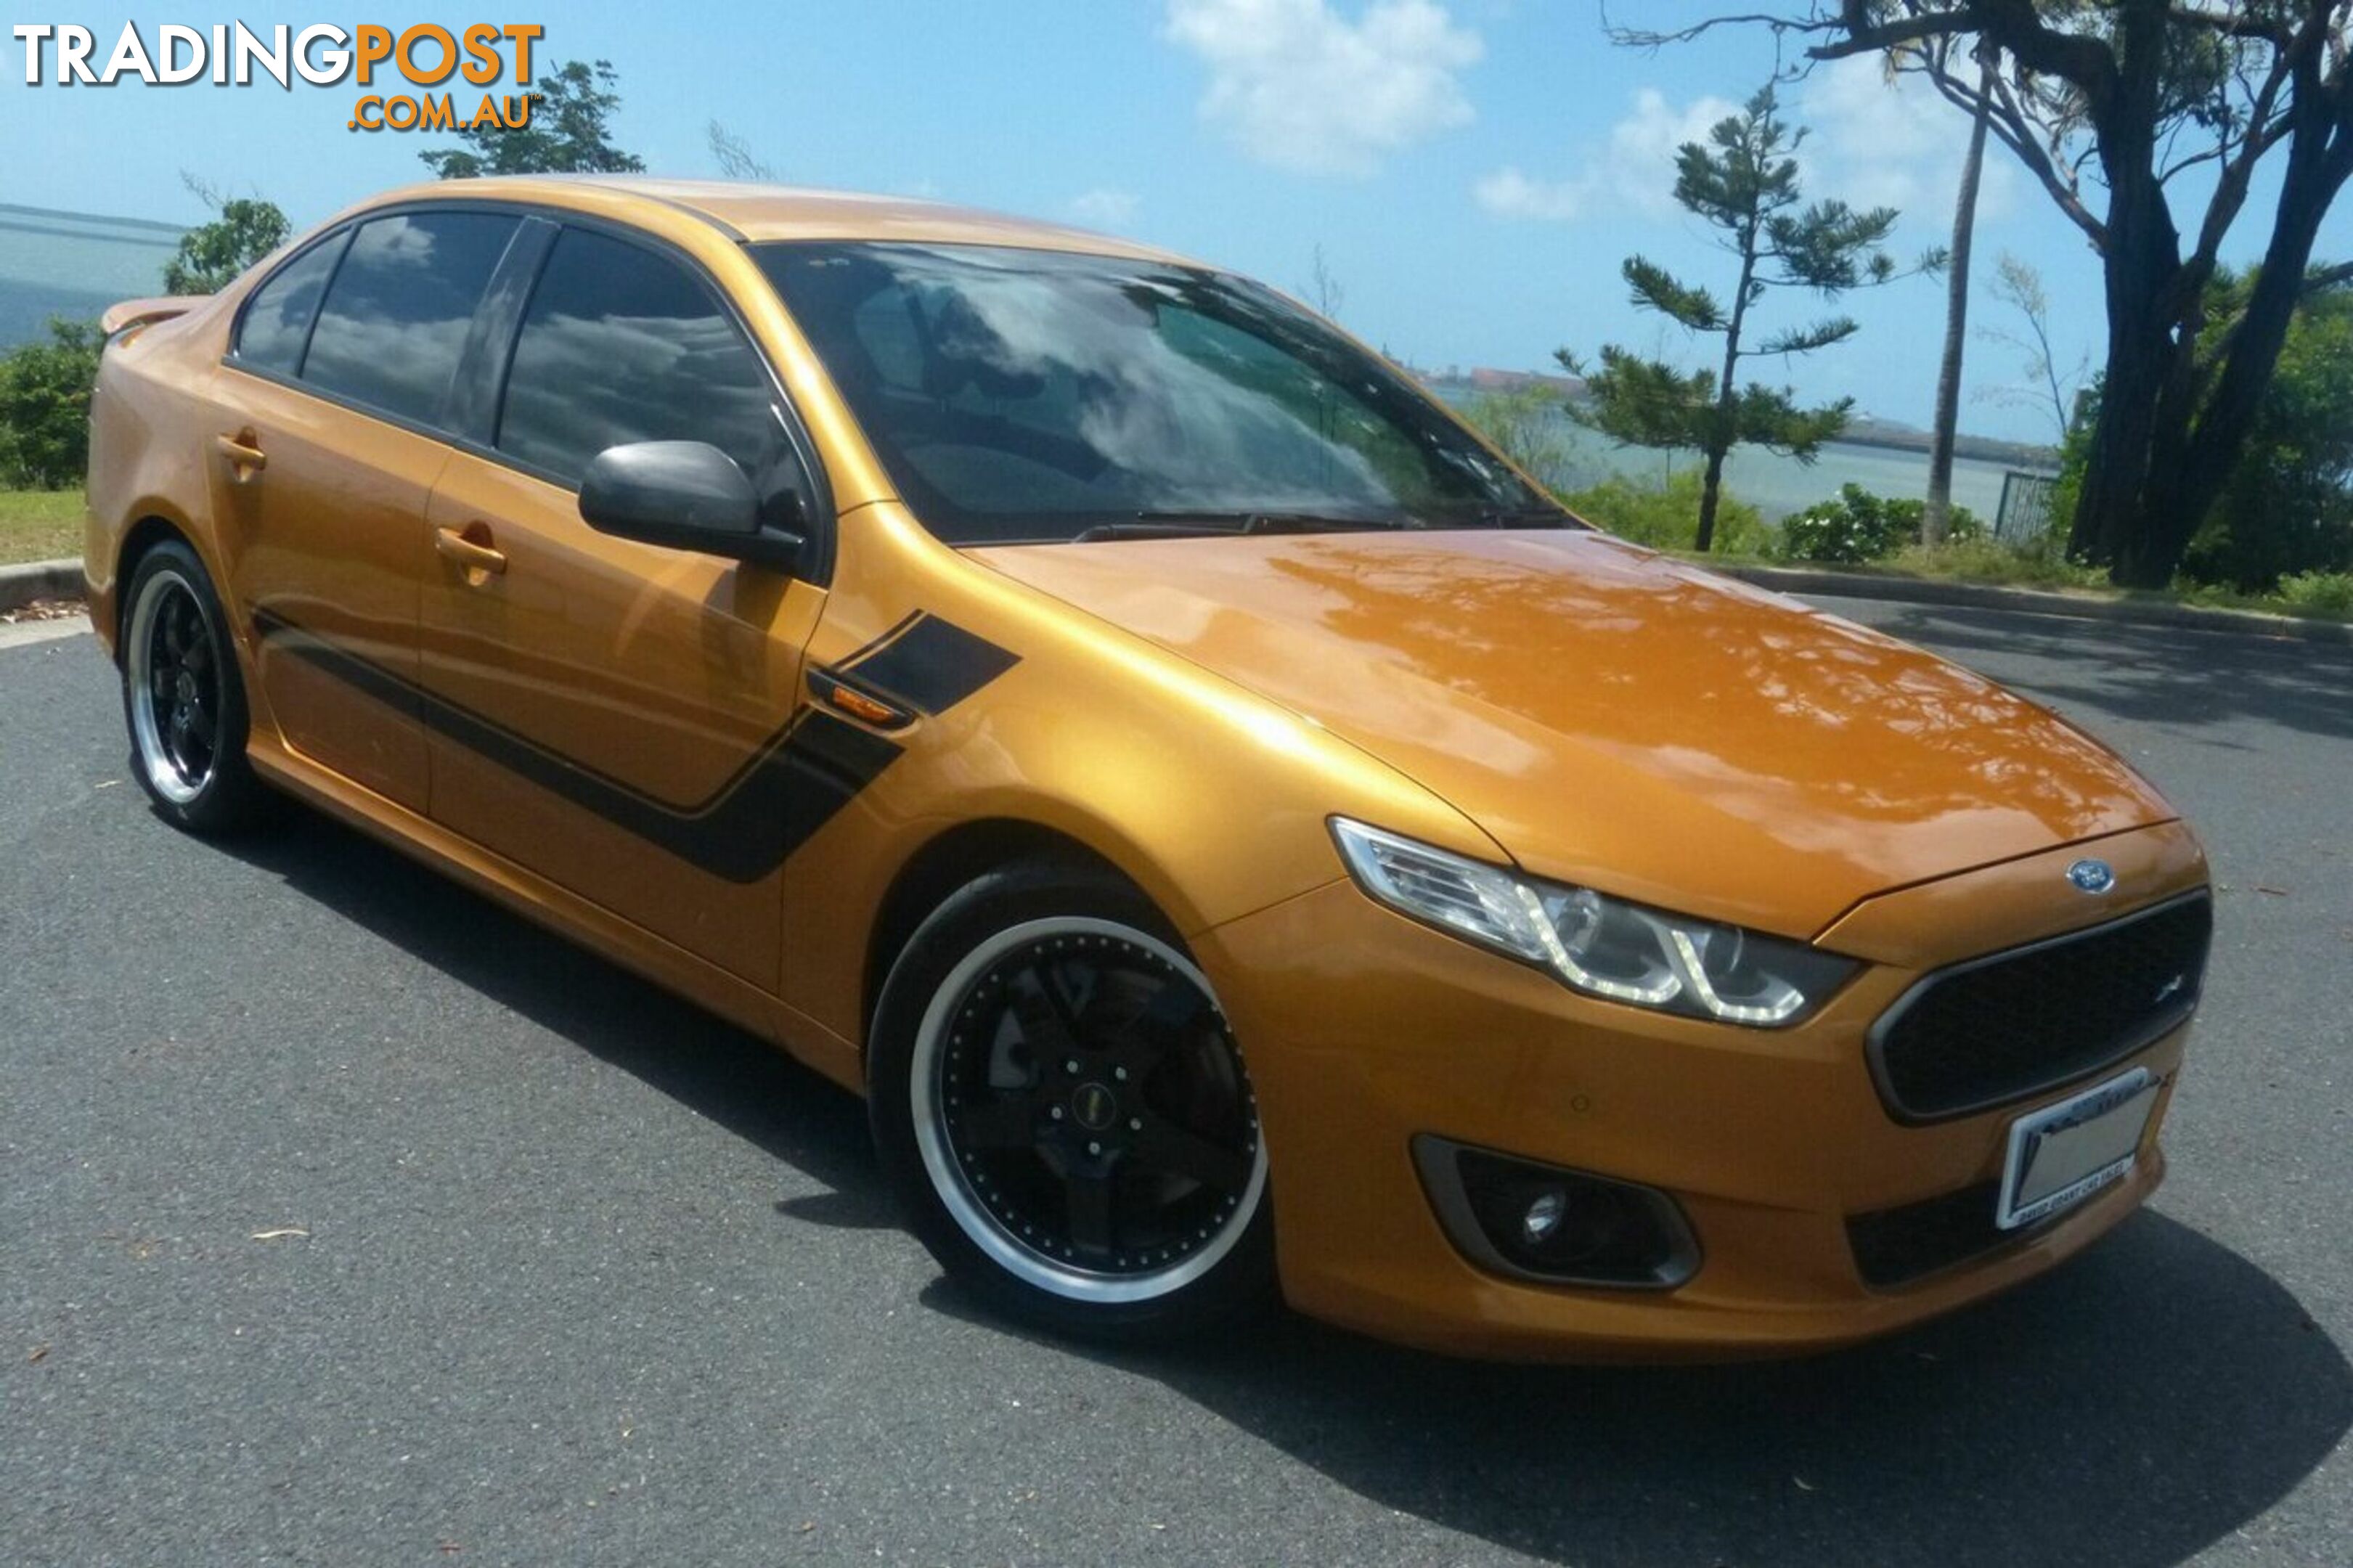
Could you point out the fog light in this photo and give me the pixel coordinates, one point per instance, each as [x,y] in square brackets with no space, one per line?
[1543,1216]
[1540,1222]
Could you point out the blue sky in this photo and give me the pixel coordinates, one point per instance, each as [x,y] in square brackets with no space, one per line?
[1473,170]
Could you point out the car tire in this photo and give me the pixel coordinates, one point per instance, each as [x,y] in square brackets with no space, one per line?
[1063,1113]
[183,698]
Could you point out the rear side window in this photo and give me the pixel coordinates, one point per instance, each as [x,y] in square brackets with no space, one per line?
[278,318]
[396,316]
[620,345]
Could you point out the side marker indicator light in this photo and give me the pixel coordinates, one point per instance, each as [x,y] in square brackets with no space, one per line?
[858,705]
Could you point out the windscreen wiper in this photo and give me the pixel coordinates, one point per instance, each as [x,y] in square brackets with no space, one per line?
[1528,517]
[1196,525]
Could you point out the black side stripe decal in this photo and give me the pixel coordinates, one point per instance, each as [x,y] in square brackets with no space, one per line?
[924,663]
[794,783]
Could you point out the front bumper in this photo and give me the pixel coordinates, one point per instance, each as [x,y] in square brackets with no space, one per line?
[1362,1029]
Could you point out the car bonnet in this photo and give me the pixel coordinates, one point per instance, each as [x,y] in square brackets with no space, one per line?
[1620,719]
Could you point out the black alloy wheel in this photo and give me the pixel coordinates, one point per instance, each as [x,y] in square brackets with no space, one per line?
[1064,1106]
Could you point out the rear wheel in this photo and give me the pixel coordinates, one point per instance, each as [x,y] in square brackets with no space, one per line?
[1066,1115]
[182,697]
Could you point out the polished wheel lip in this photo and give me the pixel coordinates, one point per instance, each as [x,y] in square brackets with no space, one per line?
[953,1186]
[172,775]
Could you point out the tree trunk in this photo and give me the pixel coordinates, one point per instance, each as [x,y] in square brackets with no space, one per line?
[1711,484]
[2141,264]
[2191,463]
[1719,439]
[1936,517]
[2108,508]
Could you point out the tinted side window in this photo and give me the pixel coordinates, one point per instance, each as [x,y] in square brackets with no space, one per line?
[278,318]
[396,318]
[620,345]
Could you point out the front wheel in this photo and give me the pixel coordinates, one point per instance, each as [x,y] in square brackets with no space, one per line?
[1065,1114]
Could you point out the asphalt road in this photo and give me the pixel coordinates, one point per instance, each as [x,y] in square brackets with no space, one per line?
[345,1219]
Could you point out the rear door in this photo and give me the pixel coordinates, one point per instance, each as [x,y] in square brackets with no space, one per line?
[325,448]
[610,714]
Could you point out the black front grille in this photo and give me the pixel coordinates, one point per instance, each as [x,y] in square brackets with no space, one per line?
[2002,1027]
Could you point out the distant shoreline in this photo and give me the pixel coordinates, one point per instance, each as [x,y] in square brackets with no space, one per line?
[2018,455]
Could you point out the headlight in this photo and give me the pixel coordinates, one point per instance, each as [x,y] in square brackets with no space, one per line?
[1600,945]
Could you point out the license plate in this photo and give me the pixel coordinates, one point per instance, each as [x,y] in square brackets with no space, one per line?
[2063,1153]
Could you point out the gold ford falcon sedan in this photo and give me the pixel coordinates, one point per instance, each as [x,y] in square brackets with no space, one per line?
[1241,838]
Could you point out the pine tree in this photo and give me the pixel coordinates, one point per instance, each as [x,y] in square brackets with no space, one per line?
[1744,183]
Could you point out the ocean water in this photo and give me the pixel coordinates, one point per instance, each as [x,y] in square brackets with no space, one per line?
[1776,485]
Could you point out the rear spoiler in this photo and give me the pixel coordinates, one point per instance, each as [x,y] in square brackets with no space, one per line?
[147,313]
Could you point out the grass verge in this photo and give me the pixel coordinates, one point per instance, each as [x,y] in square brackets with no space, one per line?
[39,525]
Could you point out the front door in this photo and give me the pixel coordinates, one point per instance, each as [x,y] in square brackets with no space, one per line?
[605,713]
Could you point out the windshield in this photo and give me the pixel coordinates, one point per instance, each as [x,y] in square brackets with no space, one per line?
[1037,395]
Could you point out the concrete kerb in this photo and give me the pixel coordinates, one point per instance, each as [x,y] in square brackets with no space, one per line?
[20,585]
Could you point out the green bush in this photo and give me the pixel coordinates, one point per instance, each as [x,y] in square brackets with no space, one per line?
[1856,525]
[2287,507]
[1852,526]
[213,255]
[1962,526]
[2330,593]
[2075,456]
[1664,515]
[45,408]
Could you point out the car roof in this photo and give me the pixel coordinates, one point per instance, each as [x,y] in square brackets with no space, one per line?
[754,212]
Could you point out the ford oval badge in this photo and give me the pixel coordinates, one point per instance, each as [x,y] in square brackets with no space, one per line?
[2091,876]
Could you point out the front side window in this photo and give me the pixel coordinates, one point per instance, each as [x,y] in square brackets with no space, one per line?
[620,345]
[394,321]
[1033,396]
[276,322]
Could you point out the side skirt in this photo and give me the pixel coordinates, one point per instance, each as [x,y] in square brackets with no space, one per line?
[565,913]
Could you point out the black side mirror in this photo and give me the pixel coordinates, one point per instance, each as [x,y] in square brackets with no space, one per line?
[686,495]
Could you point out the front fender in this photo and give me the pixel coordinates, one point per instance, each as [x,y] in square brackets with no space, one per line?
[1210,799]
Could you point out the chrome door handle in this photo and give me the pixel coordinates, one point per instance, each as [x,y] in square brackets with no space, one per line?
[472,555]
[244,459]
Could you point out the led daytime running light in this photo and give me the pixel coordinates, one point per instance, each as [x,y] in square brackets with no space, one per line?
[1496,908]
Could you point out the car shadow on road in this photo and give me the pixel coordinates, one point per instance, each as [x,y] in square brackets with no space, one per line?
[2164,674]
[726,1075]
[2151,1397]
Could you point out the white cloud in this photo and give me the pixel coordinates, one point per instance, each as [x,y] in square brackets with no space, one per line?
[1638,169]
[1298,85]
[1633,170]
[1103,207]
[1897,144]
[1507,193]
[1871,143]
